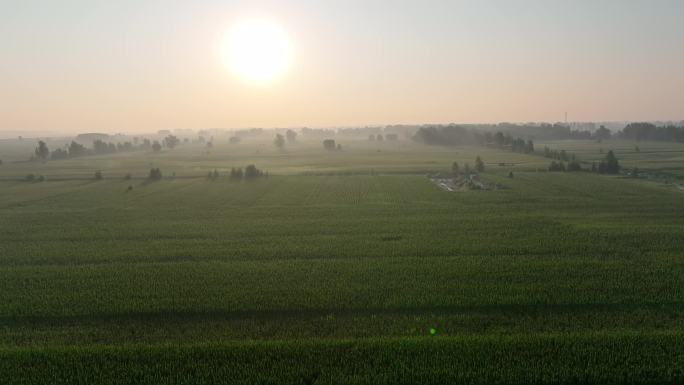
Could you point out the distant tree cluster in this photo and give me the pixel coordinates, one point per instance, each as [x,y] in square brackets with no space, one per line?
[561,155]
[236,174]
[100,147]
[250,172]
[467,171]
[155,174]
[34,178]
[609,165]
[213,175]
[649,131]
[329,144]
[458,135]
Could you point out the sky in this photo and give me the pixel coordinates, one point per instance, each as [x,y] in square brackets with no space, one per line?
[140,66]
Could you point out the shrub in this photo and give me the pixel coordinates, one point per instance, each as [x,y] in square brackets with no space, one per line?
[236,174]
[155,174]
[329,144]
[252,172]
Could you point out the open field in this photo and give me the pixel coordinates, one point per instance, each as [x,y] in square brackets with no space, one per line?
[341,267]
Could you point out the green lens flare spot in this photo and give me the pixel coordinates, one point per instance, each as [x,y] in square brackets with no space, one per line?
[433,331]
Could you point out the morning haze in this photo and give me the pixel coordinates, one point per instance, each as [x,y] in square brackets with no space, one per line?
[139,66]
[341,192]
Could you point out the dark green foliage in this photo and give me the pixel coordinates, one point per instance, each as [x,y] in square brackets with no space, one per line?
[155,174]
[42,151]
[236,174]
[649,131]
[156,147]
[98,175]
[479,164]
[602,133]
[632,359]
[609,165]
[251,172]
[455,170]
[574,166]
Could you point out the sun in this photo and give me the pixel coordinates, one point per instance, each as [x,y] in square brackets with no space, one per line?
[258,51]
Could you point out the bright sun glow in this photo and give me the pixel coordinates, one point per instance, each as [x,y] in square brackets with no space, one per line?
[258,51]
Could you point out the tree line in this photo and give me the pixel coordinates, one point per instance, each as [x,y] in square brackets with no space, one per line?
[100,147]
[458,135]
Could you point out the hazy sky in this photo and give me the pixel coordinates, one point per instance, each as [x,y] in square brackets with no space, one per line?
[136,65]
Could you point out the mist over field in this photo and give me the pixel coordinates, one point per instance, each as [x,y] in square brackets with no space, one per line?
[341,192]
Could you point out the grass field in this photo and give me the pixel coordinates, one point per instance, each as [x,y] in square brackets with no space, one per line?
[346,267]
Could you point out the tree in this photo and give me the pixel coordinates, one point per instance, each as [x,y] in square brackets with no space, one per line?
[602,133]
[610,164]
[98,175]
[279,141]
[371,138]
[529,147]
[379,138]
[479,164]
[59,154]
[329,144]
[156,147]
[236,174]
[574,166]
[171,141]
[155,174]
[99,147]
[76,149]
[42,151]
[510,174]
[466,170]
[291,136]
[554,166]
[454,169]
[252,172]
